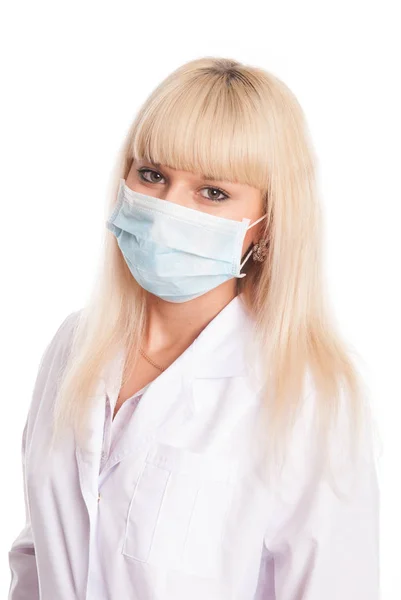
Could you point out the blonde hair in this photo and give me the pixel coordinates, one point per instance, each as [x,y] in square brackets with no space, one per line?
[228,121]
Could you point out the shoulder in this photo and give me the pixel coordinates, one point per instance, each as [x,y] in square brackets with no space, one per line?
[56,352]
[60,341]
[62,335]
[52,362]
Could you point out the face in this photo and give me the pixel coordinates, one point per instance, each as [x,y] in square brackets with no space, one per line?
[222,198]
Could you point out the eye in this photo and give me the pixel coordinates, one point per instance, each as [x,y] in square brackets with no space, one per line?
[141,173]
[214,197]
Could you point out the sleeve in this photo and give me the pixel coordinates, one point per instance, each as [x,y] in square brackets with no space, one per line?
[22,560]
[327,546]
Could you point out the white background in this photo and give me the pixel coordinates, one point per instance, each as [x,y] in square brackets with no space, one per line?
[74,75]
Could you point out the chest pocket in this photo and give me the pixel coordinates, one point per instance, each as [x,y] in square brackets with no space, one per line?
[178,510]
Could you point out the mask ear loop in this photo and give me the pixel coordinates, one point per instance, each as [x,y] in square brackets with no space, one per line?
[241,275]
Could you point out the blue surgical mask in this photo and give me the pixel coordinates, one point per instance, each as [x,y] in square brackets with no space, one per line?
[174,252]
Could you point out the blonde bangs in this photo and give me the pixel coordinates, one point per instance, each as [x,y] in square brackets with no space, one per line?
[206,127]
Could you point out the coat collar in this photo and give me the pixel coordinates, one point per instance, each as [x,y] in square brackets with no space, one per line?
[222,349]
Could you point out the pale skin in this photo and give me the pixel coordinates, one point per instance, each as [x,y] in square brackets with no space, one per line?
[172,327]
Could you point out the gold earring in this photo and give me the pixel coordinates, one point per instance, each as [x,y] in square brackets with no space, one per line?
[260,251]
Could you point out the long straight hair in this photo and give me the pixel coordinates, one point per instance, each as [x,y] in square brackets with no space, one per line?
[228,121]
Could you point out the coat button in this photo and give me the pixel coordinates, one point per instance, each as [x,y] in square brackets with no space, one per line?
[98,497]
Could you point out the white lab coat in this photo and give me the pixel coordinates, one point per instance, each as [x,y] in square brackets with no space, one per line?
[179,512]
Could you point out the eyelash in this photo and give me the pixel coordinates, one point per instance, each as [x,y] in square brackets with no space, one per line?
[141,171]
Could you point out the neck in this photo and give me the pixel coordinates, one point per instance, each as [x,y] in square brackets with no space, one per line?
[172,327]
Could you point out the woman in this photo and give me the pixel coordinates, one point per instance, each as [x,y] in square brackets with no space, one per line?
[198,430]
